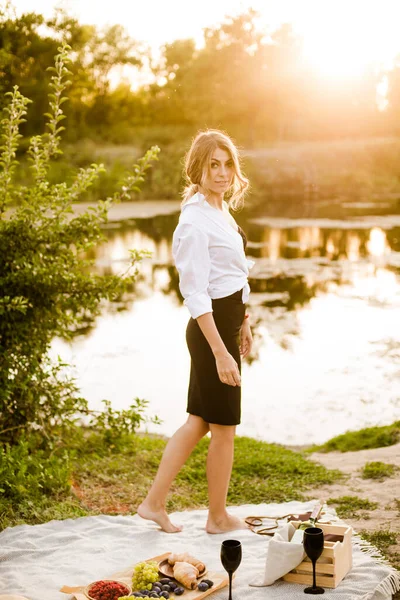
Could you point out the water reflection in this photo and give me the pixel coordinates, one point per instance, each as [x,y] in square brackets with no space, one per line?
[323,306]
[293,265]
[307,242]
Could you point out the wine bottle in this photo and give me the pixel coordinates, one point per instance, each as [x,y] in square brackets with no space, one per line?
[299,533]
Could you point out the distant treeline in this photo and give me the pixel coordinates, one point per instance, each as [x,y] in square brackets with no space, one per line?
[257,88]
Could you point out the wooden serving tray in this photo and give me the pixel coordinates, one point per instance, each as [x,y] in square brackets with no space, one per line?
[220,580]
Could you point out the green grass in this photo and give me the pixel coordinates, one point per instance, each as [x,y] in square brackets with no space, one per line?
[105,482]
[116,483]
[41,510]
[384,540]
[377,470]
[348,506]
[370,437]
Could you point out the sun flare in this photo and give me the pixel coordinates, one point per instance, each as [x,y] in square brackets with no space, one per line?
[327,58]
[344,40]
[341,38]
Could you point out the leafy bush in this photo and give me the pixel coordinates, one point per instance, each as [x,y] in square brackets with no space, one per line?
[26,474]
[109,430]
[47,287]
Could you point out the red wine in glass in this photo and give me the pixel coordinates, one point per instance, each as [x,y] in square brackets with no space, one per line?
[313,541]
[231,557]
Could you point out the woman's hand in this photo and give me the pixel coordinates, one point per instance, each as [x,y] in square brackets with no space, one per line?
[228,369]
[246,339]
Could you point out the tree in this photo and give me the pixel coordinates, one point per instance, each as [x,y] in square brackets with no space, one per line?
[24,57]
[47,288]
[27,46]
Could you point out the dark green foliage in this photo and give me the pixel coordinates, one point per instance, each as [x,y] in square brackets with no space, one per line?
[25,474]
[47,288]
[109,429]
[32,469]
[40,509]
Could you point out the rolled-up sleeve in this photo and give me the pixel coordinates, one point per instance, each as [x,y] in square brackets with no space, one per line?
[192,260]
[250,263]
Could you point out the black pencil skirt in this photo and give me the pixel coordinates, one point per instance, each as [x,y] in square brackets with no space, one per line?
[208,397]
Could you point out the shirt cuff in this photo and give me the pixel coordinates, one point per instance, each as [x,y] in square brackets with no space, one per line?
[250,263]
[198,304]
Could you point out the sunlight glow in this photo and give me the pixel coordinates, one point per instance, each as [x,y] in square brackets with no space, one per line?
[353,247]
[348,38]
[341,38]
[377,244]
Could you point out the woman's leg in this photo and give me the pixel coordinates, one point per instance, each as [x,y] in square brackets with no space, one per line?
[219,468]
[176,452]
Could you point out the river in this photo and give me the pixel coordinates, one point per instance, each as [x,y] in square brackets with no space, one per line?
[325,318]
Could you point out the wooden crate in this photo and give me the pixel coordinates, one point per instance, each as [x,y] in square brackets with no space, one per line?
[334,563]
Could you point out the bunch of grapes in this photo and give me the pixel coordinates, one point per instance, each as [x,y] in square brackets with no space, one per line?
[144,575]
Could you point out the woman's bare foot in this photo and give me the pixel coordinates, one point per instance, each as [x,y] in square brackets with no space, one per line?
[158,515]
[226,523]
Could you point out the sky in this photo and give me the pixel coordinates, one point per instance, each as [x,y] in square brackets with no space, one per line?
[340,36]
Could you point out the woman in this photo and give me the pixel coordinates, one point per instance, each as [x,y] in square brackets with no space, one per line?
[208,249]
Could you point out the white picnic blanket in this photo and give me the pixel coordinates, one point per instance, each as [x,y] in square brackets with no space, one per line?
[36,561]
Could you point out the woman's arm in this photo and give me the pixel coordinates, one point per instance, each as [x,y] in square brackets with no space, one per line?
[246,338]
[227,366]
[192,259]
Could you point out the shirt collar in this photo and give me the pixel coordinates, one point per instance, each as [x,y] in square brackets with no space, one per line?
[199,198]
[214,214]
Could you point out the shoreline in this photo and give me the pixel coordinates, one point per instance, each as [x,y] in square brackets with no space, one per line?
[124,211]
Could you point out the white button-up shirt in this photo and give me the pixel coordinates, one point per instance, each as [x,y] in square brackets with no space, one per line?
[209,256]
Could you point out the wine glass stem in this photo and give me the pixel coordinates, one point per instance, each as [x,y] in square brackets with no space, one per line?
[314,582]
[230,585]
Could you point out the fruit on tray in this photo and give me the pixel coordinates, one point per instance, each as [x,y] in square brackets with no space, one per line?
[144,575]
[205,585]
[187,574]
[107,590]
[188,558]
[202,587]
[173,585]
[160,589]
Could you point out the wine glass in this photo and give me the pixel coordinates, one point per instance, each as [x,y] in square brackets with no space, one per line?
[231,557]
[313,541]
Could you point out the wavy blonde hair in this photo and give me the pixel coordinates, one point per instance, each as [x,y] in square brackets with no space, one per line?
[198,166]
